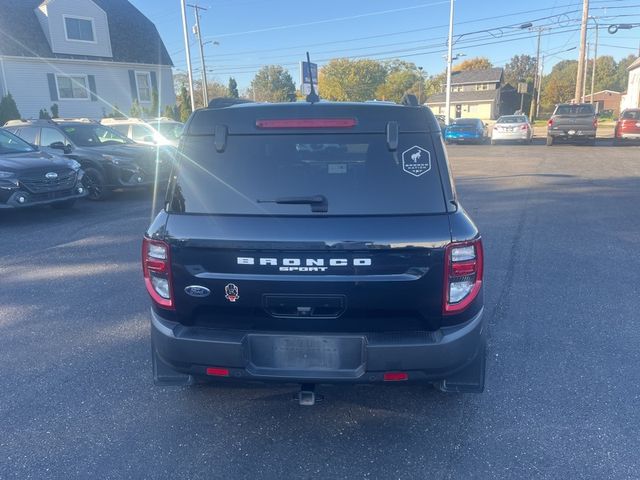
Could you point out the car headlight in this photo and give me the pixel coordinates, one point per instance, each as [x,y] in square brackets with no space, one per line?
[74,165]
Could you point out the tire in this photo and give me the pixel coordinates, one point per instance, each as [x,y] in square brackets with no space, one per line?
[549,140]
[93,181]
[64,205]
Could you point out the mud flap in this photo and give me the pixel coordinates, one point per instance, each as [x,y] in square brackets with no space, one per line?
[164,375]
[468,380]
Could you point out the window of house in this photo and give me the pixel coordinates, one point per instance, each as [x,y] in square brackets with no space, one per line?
[72,87]
[143,79]
[79,29]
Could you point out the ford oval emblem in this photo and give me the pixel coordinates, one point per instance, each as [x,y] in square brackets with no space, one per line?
[197,291]
[51,175]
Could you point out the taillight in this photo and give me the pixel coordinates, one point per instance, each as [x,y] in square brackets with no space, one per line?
[524,127]
[550,122]
[462,275]
[156,267]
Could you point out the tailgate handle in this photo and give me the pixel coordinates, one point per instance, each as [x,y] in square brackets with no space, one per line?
[303,306]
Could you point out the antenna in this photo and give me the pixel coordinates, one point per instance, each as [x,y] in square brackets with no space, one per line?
[313,96]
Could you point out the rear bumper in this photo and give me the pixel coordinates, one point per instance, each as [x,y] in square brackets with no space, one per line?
[345,358]
[566,133]
[508,136]
[629,136]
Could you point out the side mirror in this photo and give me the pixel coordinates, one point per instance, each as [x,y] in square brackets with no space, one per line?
[58,146]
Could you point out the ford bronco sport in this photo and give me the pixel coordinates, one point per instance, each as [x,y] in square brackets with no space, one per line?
[315,243]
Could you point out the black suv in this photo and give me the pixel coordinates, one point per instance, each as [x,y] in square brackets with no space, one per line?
[315,243]
[109,159]
[29,177]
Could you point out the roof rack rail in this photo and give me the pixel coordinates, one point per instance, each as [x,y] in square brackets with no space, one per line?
[224,102]
[79,120]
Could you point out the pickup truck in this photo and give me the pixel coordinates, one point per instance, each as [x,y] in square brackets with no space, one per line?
[573,122]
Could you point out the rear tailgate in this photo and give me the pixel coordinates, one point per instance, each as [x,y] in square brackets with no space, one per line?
[368,274]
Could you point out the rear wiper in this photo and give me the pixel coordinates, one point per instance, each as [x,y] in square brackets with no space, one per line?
[318,203]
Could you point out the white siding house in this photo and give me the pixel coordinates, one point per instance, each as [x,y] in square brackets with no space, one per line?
[632,98]
[87,56]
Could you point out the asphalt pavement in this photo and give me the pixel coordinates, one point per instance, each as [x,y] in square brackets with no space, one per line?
[561,228]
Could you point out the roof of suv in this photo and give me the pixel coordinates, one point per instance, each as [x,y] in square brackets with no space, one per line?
[369,117]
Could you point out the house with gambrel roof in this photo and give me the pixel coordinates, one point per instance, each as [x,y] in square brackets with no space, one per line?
[86,56]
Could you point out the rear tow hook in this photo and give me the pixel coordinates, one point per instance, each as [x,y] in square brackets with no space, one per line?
[307,395]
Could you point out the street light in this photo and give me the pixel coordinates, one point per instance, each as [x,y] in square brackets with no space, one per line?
[536,84]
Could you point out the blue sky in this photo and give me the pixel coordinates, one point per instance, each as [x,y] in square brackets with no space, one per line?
[252,33]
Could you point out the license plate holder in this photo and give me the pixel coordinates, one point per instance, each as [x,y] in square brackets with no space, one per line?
[306,356]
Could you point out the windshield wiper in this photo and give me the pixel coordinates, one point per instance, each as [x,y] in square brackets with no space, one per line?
[318,203]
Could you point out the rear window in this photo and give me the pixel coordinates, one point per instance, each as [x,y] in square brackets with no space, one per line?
[355,173]
[575,110]
[512,119]
[92,135]
[465,121]
[631,115]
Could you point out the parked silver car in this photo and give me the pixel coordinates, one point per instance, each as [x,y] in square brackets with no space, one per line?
[512,128]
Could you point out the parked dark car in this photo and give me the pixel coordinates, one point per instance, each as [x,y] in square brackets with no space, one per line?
[627,127]
[109,159]
[573,122]
[29,177]
[466,130]
[277,260]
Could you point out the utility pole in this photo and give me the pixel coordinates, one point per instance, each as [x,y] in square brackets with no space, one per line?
[583,41]
[421,82]
[595,58]
[584,78]
[188,52]
[539,87]
[536,84]
[198,33]
[447,102]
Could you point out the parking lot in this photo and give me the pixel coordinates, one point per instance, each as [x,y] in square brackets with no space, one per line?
[561,228]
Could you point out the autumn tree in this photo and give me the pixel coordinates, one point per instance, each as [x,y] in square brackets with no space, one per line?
[272,83]
[559,86]
[475,63]
[351,80]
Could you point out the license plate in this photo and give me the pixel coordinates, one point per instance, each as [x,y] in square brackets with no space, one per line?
[310,353]
[571,132]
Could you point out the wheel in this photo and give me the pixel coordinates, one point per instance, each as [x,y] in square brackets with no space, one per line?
[64,205]
[549,140]
[93,181]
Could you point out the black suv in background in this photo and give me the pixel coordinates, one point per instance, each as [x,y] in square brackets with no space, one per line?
[315,243]
[29,177]
[109,159]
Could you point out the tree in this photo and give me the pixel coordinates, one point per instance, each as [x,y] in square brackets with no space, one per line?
[171,111]
[272,83]
[559,86]
[520,68]
[8,109]
[621,77]
[351,80]
[136,110]
[184,104]
[475,63]
[43,114]
[435,84]
[233,88]
[55,110]
[398,83]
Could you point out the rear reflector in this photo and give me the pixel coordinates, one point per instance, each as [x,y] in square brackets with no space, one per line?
[395,376]
[308,123]
[218,372]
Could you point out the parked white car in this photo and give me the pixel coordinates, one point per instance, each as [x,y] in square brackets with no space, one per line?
[512,128]
[156,132]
